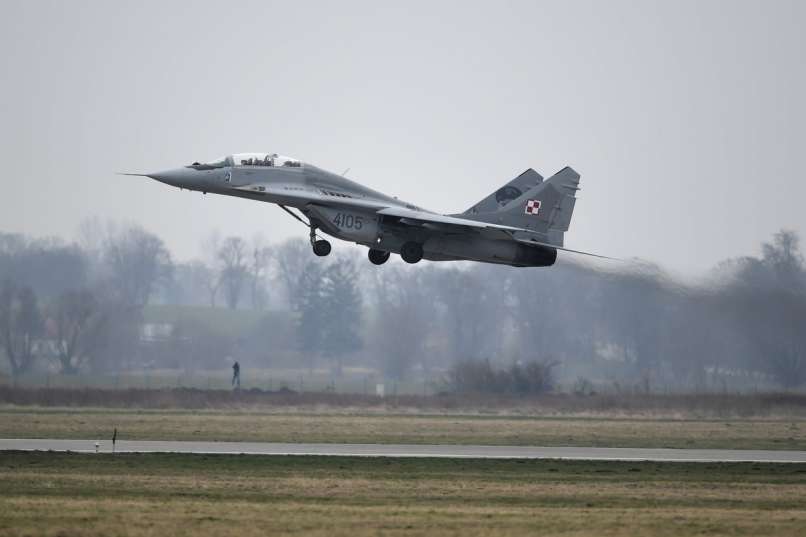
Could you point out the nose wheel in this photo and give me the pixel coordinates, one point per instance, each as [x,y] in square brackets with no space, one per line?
[378,257]
[321,247]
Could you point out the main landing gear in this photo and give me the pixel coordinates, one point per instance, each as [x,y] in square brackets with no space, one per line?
[320,247]
[378,257]
[411,252]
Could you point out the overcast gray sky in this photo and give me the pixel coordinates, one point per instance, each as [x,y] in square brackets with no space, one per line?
[685,119]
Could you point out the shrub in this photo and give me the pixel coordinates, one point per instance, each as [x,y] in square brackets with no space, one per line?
[531,378]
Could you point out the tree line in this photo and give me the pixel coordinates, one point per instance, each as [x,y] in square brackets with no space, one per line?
[80,307]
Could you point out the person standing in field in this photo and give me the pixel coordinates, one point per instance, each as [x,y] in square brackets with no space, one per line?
[236,375]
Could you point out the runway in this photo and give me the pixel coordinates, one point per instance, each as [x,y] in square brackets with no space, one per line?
[407,450]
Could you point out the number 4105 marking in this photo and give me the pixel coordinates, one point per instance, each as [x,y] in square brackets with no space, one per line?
[348,221]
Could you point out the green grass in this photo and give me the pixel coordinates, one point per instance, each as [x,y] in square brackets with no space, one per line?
[163,494]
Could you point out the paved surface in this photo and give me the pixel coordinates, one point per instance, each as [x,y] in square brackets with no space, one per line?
[407,450]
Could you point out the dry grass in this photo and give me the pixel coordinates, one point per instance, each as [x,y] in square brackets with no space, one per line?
[765,405]
[394,428]
[134,495]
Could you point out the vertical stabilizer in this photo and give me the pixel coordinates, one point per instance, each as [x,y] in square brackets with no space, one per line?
[507,193]
[545,209]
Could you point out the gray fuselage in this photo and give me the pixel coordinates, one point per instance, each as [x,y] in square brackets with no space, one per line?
[349,211]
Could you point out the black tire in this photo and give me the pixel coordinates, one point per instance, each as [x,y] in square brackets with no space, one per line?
[377,257]
[411,252]
[321,248]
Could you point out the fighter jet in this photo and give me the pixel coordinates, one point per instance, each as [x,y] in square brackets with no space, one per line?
[521,224]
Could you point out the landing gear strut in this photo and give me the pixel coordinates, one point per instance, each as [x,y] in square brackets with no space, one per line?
[411,252]
[321,247]
[378,257]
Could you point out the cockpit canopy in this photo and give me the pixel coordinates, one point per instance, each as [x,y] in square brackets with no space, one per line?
[249,159]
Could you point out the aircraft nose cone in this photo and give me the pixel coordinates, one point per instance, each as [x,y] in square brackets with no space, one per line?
[181,177]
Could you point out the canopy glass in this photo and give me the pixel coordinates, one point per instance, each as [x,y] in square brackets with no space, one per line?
[264,159]
[249,159]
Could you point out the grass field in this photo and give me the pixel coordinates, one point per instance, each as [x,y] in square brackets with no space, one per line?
[395,428]
[133,495]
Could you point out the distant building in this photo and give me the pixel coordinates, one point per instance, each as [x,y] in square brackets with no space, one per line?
[156,332]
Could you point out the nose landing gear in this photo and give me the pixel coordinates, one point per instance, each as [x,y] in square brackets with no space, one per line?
[377,257]
[320,247]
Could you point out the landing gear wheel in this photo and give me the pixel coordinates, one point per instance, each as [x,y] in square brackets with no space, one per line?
[411,252]
[377,257]
[321,248]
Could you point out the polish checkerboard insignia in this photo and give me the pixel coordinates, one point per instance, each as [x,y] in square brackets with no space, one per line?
[532,206]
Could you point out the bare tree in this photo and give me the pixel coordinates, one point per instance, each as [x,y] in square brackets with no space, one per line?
[636,317]
[783,257]
[46,264]
[137,262]
[74,316]
[290,259]
[212,283]
[234,269]
[20,326]
[766,298]
[93,234]
[474,304]
[311,304]
[342,315]
[211,275]
[403,320]
[192,283]
[258,265]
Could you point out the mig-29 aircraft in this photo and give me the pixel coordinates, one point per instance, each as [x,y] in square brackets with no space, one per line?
[521,224]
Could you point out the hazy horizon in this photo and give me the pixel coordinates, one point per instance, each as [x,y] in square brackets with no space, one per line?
[684,119]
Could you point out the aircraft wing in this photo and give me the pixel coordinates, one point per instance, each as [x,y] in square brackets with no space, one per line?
[414,217]
[314,197]
[497,230]
[411,216]
[440,220]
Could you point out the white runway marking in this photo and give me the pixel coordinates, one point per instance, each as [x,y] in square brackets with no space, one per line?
[407,450]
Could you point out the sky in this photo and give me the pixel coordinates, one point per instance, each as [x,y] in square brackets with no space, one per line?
[684,118]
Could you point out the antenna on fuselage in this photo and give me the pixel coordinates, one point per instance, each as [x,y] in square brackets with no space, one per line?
[344,173]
